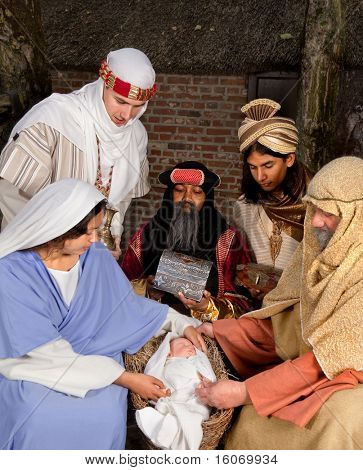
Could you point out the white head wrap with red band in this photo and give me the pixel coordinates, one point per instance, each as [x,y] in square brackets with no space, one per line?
[111,71]
[81,117]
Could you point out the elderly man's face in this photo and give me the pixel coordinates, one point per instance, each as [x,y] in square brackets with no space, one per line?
[119,108]
[325,225]
[189,194]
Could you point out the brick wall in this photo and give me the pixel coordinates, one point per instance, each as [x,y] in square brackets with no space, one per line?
[191,118]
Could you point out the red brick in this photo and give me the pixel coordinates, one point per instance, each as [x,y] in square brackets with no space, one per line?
[189,130]
[219,89]
[167,153]
[202,80]
[151,118]
[237,98]
[179,79]
[163,95]
[206,148]
[212,97]
[184,96]
[178,88]
[160,78]
[191,113]
[164,111]
[165,128]
[211,131]
[230,148]
[232,81]
[186,105]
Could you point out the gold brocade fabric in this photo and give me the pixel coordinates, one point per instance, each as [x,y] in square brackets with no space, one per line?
[218,309]
[328,283]
[287,214]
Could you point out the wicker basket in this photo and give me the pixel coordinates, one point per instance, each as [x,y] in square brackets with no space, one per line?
[217,424]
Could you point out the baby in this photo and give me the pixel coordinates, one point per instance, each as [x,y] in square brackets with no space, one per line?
[176,421]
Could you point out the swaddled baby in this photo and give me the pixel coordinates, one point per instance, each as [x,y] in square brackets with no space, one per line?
[176,421]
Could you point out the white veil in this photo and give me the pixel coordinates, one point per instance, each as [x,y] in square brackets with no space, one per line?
[50,213]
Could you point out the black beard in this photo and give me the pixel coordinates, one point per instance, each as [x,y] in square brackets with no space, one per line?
[184,227]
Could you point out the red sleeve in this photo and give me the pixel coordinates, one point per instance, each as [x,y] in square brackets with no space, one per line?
[239,253]
[295,390]
[277,387]
[132,264]
[248,343]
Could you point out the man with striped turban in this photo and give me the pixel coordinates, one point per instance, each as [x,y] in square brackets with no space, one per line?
[270,210]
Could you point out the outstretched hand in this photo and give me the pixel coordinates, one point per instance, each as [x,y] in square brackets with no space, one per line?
[223,394]
[146,386]
[206,329]
[200,306]
[195,337]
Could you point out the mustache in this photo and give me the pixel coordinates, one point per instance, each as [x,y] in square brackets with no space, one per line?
[184,228]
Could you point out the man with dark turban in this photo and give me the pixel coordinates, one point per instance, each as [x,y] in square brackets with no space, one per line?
[270,210]
[188,222]
[301,355]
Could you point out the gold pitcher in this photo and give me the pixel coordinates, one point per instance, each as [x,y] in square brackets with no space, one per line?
[104,232]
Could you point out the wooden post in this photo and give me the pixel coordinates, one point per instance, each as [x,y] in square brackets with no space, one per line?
[322,65]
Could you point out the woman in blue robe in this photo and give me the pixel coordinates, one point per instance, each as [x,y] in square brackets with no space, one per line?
[67,312]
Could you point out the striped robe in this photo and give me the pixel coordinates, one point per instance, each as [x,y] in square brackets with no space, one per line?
[40,155]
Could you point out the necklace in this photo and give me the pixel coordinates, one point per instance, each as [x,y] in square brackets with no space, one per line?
[275,238]
[105,190]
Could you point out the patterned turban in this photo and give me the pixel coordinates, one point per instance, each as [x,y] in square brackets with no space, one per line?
[279,134]
[191,172]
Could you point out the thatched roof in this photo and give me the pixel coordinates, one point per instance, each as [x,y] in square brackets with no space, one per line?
[189,36]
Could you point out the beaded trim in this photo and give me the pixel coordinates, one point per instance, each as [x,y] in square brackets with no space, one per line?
[124,88]
[105,190]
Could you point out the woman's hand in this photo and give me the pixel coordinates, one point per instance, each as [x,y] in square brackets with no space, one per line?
[206,329]
[146,386]
[223,394]
[197,306]
[195,337]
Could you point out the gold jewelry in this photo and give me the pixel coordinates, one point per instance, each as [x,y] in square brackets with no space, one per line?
[105,190]
[275,238]
[210,313]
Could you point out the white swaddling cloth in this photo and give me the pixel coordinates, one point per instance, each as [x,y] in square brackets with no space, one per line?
[176,421]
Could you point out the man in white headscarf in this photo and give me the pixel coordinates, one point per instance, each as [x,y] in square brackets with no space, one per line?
[93,134]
